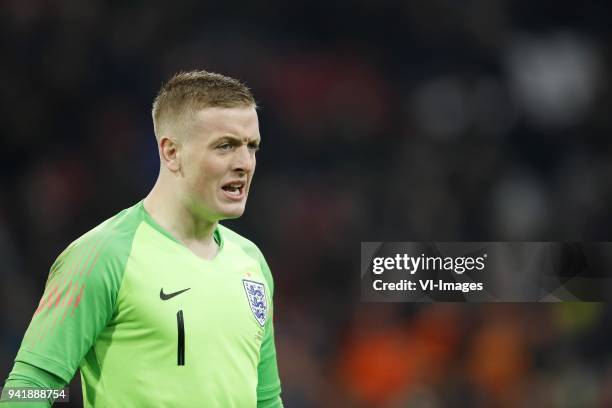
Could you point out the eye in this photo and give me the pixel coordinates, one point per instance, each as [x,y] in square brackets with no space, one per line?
[254,146]
[225,146]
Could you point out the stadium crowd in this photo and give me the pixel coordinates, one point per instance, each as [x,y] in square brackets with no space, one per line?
[479,120]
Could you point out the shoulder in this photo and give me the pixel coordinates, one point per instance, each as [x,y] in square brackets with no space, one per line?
[249,248]
[236,239]
[109,243]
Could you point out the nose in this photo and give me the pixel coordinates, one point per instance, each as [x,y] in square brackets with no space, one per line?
[244,160]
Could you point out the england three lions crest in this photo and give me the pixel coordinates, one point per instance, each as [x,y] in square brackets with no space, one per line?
[256,294]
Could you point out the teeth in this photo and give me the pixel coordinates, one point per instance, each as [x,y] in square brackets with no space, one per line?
[232,189]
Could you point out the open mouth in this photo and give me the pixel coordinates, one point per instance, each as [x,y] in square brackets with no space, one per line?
[234,190]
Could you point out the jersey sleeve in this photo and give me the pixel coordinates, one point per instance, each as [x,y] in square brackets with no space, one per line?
[27,376]
[78,302]
[268,386]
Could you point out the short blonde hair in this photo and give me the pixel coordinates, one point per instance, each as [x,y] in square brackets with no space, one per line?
[188,92]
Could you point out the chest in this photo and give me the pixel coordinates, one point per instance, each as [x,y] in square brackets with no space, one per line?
[221,301]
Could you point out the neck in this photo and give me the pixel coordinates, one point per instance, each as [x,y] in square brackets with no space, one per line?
[176,216]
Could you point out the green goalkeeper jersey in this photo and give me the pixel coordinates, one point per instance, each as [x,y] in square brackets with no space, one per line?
[150,324]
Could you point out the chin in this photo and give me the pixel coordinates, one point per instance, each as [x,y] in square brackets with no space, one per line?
[229,214]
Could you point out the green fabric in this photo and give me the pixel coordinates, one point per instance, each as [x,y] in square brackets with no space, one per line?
[25,375]
[102,312]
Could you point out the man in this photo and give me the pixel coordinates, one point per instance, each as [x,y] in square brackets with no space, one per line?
[160,306]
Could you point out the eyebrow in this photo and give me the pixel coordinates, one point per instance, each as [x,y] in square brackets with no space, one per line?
[235,139]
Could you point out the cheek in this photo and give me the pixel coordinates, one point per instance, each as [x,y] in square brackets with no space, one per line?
[206,169]
[199,177]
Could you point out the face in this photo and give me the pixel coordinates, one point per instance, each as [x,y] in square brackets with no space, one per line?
[218,161]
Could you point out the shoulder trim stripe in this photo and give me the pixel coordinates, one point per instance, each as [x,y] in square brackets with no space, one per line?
[63,296]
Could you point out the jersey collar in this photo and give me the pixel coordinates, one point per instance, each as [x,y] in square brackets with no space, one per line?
[147,217]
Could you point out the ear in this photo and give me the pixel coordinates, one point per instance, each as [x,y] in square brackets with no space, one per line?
[169,153]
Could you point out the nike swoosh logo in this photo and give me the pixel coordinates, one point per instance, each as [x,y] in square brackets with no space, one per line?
[166,296]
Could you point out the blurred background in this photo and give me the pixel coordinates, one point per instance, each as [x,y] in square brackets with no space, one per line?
[381,120]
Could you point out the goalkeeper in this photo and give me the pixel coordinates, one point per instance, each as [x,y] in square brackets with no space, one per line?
[160,305]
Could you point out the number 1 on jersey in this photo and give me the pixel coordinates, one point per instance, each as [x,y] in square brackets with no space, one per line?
[181,338]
